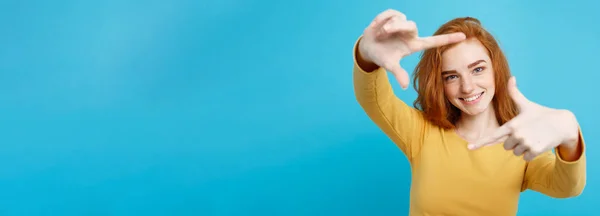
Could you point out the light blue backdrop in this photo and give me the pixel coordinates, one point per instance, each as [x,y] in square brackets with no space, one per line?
[235,107]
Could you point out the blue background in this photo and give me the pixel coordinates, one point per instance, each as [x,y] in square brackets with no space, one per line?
[237,107]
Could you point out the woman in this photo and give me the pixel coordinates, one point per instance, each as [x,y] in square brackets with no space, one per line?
[476,142]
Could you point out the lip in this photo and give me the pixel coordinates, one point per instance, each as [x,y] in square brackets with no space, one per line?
[474,101]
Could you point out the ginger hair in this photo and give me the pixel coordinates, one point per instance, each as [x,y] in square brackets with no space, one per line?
[429,84]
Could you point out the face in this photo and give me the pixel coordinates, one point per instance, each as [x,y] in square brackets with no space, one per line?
[468,77]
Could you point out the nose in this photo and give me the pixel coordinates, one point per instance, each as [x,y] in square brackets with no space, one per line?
[466,85]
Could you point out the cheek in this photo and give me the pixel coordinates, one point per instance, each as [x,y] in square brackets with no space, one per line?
[489,80]
[450,90]
[490,85]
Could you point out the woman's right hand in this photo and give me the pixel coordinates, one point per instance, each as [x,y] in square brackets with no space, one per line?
[391,37]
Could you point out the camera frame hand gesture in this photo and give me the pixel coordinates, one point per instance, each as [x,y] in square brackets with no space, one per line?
[391,37]
[535,130]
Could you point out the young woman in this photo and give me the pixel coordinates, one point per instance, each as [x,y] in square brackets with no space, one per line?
[475,142]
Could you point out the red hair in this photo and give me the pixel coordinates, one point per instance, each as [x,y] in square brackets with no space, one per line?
[429,82]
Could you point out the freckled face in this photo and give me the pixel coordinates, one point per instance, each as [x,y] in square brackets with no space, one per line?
[468,77]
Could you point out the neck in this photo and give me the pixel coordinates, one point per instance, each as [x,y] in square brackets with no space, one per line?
[473,127]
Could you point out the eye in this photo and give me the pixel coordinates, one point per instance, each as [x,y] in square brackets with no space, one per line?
[450,77]
[478,69]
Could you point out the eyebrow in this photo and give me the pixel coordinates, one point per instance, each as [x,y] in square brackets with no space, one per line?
[469,66]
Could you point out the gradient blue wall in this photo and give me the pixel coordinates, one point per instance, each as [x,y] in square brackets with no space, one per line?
[234,107]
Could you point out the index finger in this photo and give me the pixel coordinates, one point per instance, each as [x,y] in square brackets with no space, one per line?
[499,136]
[440,40]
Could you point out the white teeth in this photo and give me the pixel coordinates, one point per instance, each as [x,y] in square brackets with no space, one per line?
[473,98]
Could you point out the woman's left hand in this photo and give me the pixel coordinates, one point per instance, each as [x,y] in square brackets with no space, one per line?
[535,130]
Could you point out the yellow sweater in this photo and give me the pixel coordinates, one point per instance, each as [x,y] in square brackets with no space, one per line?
[449,179]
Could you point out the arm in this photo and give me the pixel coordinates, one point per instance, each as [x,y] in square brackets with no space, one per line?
[403,124]
[561,174]
[385,41]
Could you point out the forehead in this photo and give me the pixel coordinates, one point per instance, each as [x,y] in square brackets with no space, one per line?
[463,54]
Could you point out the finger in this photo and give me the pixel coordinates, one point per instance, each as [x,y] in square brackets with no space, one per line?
[400,74]
[500,135]
[529,156]
[515,94]
[440,40]
[520,149]
[387,14]
[511,142]
[487,142]
[384,17]
[399,27]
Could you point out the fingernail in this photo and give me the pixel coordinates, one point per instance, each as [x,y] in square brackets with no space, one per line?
[471,146]
[386,27]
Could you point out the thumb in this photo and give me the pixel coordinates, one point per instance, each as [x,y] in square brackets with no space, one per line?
[515,94]
[400,74]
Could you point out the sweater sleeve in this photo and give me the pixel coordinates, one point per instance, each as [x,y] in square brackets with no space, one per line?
[551,175]
[403,124]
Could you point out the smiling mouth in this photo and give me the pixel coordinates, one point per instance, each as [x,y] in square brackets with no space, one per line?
[472,98]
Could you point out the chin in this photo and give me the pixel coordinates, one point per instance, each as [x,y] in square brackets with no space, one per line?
[473,111]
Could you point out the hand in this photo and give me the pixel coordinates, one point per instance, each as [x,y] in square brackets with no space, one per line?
[390,37]
[535,130]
